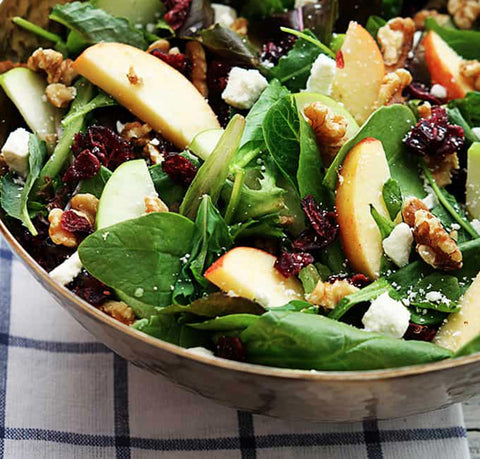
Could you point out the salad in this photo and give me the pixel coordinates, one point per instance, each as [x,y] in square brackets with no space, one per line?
[293,184]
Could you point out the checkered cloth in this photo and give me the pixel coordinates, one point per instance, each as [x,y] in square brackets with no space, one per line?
[62,395]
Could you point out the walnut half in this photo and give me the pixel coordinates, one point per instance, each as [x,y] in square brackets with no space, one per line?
[464,12]
[328,295]
[434,245]
[392,87]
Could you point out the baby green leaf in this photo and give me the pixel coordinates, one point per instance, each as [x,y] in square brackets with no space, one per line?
[227,323]
[392,196]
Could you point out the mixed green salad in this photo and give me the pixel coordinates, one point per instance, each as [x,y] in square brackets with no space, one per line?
[286,183]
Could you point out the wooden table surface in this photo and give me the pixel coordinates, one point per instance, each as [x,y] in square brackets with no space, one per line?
[471,411]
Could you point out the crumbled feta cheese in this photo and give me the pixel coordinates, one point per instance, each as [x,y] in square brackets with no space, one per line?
[322,75]
[438,91]
[68,270]
[15,151]
[476,131]
[201,351]
[431,201]
[398,245]
[302,3]
[387,316]
[244,87]
[435,297]
[120,127]
[224,15]
[476,225]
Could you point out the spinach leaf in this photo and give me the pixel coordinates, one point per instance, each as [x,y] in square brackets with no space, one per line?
[216,305]
[168,329]
[101,100]
[227,323]
[211,177]
[437,291]
[15,193]
[392,196]
[140,258]
[469,107]
[374,24]
[421,316]
[265,8]
[392,8]
[169,191]
[389,125]
[200,16]
[455,116]
[309,277]
[385,225]
[254,120]
[95,25]
[95,185]
[228,45]
[293,69]
[472,347]
[464,42]
[308,342]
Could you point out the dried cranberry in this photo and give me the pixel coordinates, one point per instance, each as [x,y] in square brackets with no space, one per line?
[422,92]
[231,348]
[290,264]
[272,52]
[177,61]
[217,77]
[86,165]
[420,332]
[179,169]
[323,223]
[435,136]
[358,280]
[177,12]
[91,289]
[75,223]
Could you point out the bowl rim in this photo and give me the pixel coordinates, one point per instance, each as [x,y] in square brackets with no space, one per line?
[241,367]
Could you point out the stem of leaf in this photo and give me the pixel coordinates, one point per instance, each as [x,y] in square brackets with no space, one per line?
[443,200]
[235,197]
[324,48]
[31,27]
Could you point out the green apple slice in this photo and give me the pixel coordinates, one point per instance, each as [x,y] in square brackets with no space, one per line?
[26,89]
[204,143]
[473,181]
[124,194]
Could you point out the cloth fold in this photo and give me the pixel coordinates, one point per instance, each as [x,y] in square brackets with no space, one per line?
[62,394]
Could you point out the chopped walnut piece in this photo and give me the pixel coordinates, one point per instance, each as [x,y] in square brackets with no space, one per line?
[58,235]
[137,133]
[133,78]
[52,63]
[240,26]
[119,311]
[154,204]
[443,167]
[392,87]
[471,69]
[396,41]
[86,204]
[328,295]
[330,129]
[465,12]
[60,95]
[198,75]
[434,245]
[425,110]
[421,18]
[162,44]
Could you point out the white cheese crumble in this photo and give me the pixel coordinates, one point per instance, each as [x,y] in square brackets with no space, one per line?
[244,87]
[322,75]
[68,270]
[204,352]
[387,316]
[438,91]
[302,3]
[398,245]
[15,151]
[224,15]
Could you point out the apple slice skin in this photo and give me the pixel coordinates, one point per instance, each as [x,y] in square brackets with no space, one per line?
[363,174]
[360,72]
[444,66]
[162,96]
[250,273]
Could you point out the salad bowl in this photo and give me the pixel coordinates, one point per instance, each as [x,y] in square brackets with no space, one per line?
[309,395]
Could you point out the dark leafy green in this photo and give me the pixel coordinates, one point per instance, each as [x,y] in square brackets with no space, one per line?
[447,288]
[469,107]
[95,185]
[141,257]
[200,16]
[265,8]
[169,191]
[392,8]
[374,24]
[309,276]
[455,116]
[392,196]
[95,25]
[385,225]
[308,342]
[227,323]
[15,194]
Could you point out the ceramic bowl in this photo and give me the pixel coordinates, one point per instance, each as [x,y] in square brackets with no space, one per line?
[290,394]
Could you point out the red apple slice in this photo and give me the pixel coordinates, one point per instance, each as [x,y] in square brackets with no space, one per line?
[250,273]
[151,89]
[444,66]
[364,172]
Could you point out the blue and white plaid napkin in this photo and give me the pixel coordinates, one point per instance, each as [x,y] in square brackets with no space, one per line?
[63,395]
